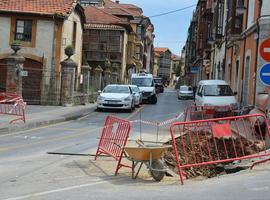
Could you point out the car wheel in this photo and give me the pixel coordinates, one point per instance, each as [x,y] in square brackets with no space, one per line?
[133,106]
[99,109]
[162,90]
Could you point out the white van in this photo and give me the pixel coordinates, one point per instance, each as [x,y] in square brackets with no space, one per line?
[145,82]
[215,93]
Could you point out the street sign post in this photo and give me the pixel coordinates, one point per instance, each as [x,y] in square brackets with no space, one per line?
[265,50]
[265,74]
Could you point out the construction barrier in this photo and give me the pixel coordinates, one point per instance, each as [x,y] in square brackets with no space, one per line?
[12,104]
[113,139]
[209,142]
[207,112]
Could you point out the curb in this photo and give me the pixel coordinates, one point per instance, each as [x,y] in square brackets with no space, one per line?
[42,123]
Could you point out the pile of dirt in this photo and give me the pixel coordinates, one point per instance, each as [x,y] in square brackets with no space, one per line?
[195,150]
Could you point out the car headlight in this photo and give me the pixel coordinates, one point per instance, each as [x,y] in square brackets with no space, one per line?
[100,98]
[127,99]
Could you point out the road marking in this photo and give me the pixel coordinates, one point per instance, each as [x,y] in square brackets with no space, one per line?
[34,129]
[82,132]
[88,115]
[266,74]
[267,50]
[40,128]
[50,140]
[136,112]
[38,194]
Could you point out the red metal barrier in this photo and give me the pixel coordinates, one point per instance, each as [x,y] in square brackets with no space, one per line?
[207,112]
[12,104]
[113,139]
[223,140]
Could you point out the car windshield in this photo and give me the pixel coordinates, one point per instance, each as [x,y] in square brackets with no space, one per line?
[135,89]
[217,90]
[185,88]
[142,82]
[157,80]
[116,89]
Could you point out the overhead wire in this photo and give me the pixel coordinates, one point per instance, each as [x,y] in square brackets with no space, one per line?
[173,11]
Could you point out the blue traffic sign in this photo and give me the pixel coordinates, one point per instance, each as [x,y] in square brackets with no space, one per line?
[265,74]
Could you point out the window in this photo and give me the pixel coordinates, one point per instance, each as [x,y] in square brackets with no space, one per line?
[23,30]
[142,82]
[236,76]
[116,89]
[217,90]
[74,35]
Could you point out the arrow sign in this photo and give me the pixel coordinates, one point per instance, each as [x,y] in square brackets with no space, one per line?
[265,74]
[265,50]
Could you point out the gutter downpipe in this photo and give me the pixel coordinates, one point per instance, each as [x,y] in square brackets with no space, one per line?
[244,53]
[257,49]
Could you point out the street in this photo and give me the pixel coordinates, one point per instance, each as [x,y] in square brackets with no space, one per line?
[28,172]
[25,162]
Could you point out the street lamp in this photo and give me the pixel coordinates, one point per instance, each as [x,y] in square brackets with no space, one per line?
[240,8]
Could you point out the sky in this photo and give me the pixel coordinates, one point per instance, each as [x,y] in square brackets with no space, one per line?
[170,30]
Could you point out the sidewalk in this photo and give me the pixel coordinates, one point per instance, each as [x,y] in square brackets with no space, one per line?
[37,116]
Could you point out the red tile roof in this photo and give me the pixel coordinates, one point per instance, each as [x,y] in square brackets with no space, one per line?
[103,27]
[99,16]
[134,10]
[161,49]
[44,7]
[116,9]
[175,57]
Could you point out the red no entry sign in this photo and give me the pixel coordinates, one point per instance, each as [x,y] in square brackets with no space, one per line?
[265,50]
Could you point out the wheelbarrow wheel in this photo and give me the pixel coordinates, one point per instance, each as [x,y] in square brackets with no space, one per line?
[157,175]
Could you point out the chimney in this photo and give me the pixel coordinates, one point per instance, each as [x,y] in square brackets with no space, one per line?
[117,1]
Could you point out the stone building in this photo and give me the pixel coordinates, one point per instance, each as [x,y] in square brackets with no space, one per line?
[165,67]
[44,30]
[105,42]
[139,51]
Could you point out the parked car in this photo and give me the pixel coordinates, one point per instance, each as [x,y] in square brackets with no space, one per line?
[146,85]
[137,94]
[159,84]
[185,92]
[116,97]
[215,93]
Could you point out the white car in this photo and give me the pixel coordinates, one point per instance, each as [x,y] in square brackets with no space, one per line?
[146,84]
[116,97]
[215,93]
[185,92]
[138,94]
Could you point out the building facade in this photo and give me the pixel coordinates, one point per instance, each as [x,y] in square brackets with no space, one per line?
[165,66]
[44,30]
[235,36]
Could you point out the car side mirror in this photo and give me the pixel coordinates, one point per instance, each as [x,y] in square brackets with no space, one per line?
[99,91]
[235,93]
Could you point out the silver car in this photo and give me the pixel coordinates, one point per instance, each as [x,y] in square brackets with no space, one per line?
[185,92]
[116,97]
[137,94]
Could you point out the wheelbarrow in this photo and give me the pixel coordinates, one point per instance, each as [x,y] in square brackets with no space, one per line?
[151,156]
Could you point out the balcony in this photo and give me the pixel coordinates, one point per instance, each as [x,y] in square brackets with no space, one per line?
[234,25]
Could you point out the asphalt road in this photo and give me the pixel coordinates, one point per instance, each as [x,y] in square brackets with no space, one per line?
[28,172]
